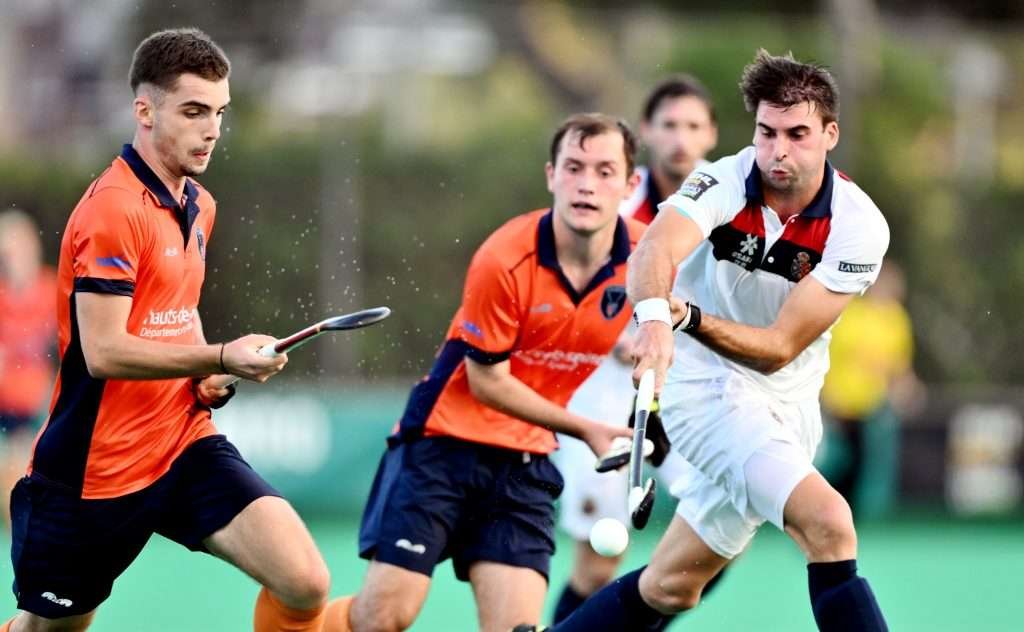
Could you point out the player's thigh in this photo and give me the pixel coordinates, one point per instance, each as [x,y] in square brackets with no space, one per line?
[217,503]
[820,521]
[506,595]
[390,599]
[679,568]
[270,543]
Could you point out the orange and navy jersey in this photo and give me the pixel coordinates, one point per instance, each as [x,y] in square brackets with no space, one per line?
[128,237]
[28,332]
[519,306]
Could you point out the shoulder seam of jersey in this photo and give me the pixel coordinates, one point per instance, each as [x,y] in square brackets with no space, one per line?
[96,189]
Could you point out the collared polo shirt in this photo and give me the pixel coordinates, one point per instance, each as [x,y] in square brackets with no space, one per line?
[127,236]
[750,262]
[518,305]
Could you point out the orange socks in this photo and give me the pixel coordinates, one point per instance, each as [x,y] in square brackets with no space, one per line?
[336,616]
[273,616]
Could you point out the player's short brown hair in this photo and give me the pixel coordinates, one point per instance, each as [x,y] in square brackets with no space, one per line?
[594,124]
[783,81]
[166,55]
[676,87]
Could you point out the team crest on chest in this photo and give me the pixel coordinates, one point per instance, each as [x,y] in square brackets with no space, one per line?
[801,266]
[201,243]
[612,301]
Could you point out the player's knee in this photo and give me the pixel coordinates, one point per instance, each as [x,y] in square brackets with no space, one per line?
[384,607]
[398,618]
[670,594]
[830,534]
[308,587]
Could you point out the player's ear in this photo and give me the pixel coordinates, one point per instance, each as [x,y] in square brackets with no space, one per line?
[143,109]
[549,174]
[832,134]
[632,182]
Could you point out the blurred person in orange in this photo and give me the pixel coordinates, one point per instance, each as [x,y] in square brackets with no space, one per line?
[871,378]
[28,332]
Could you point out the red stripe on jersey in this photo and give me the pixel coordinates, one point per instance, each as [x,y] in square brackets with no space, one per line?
[750,220]
[808,232]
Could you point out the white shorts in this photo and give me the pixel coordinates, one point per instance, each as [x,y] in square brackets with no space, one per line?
[750,451]
[606,396]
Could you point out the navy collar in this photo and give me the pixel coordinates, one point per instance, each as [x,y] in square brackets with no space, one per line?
[186,216]
[547,255]
[820,206]
[153,183]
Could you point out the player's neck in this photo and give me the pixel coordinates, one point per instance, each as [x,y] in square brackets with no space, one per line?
[665,184]
[581,256]
[787,204]
[175,184]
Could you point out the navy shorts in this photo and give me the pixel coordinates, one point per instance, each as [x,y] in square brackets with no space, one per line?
[440,497]
[67,551]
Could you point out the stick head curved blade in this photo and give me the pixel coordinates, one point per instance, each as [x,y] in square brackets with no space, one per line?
[641,503]
[356,320]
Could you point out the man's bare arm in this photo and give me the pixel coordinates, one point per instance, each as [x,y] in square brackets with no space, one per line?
[495,386]
[111,352]
[810,309]
[669,239]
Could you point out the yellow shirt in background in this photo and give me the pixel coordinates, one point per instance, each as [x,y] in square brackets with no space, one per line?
[871,344]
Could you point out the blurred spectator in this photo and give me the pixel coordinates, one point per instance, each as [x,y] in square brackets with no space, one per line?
[871,384]
[28,332]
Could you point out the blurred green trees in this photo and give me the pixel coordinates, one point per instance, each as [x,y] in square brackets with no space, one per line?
[334,214]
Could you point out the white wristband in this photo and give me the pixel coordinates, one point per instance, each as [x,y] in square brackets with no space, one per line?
[652,309]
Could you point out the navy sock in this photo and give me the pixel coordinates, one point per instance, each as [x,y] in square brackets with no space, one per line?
[568,601]
[618,606]
[842,601]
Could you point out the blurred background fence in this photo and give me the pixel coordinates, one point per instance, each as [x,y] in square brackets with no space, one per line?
[371,146]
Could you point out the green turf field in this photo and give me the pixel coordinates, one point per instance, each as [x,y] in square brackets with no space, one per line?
[930,576]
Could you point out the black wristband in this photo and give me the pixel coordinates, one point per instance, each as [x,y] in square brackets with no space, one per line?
[692,320]
[222,368]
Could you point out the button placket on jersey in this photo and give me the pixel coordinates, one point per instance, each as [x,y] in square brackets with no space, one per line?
[773,229]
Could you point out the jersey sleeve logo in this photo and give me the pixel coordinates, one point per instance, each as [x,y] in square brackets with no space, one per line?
[612,301]
[114,262]
[696,185]
[201,243]
[845,266]
[473,329]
